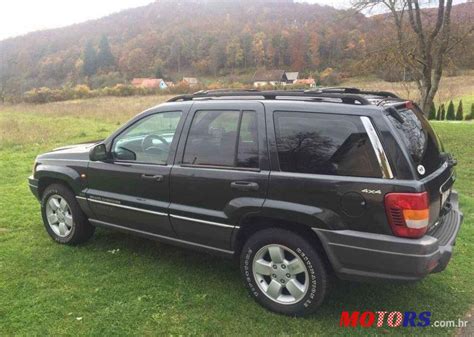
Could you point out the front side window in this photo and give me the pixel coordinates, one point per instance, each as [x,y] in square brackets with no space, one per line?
[324,144]
[149,140]
[223,138]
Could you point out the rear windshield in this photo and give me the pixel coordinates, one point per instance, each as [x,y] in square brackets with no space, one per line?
[420,139]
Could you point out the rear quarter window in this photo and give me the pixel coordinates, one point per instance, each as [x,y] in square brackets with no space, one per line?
[419,138]
[324,144]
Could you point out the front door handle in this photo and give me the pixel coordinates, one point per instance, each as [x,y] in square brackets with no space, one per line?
[157,177]
[244,186]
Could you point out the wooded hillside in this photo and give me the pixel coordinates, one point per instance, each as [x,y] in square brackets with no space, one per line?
[171,39]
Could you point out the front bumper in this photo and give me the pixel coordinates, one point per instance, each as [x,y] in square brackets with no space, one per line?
[33,184]
[364,256]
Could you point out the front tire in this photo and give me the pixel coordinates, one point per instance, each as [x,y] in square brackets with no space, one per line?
[62,216]
[283,272]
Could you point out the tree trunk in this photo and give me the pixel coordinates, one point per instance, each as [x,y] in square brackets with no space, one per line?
[426,60]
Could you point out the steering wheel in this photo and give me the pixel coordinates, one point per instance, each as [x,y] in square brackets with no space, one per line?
[147,142]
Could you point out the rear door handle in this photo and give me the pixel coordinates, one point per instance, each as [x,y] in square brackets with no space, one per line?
[157,177]
[244,186]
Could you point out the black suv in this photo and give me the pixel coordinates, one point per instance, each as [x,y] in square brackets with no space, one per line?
[296,184]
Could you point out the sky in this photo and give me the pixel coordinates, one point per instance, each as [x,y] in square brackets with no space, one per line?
[18,17]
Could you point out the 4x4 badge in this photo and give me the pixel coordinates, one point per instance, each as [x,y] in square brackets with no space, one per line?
[365,190]
[421,169]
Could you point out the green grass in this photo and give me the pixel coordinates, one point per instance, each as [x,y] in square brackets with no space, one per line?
[118,284]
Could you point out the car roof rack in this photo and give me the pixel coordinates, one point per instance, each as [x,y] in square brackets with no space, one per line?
[345,95]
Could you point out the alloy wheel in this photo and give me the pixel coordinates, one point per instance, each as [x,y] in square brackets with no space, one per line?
[59,215]
[280,274]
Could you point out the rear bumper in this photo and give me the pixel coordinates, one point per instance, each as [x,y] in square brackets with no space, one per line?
[364,256]
[33,184]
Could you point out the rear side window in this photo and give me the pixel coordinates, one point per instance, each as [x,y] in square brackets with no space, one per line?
[419,138]
[223,138]
[324,144]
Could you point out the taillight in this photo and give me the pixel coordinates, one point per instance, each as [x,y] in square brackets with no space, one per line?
[408,213]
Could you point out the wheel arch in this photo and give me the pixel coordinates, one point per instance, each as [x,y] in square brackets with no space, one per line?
[60,175]
[254,223]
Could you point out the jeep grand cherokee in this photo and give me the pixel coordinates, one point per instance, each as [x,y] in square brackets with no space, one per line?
[296,184]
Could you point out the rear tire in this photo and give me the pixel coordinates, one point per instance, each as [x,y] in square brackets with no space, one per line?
[283,272]
[62,216]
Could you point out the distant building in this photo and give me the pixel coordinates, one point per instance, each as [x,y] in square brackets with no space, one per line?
[306,81]
[269,77]
[191,81]
[291,77]
[149,83]
[169,84]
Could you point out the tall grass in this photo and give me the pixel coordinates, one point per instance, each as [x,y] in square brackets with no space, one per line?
[54,122]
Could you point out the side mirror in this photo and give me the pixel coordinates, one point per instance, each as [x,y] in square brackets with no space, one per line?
[98,153]
[125,154]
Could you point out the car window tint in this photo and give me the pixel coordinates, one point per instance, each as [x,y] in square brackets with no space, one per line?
[214,139]
[149,140]
[419,138]
[324,144]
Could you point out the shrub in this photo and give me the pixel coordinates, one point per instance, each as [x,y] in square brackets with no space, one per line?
[330,77]
[450,116]
[82,91]
[106,80]
[42,95]
[460,112]
[122,90]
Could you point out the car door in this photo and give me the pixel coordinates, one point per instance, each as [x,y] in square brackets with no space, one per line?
[221,171]
[132,189]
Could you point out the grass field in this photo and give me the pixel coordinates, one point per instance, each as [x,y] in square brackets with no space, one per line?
[118,284]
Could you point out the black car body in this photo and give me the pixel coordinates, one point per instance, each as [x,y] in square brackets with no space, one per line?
[337,167]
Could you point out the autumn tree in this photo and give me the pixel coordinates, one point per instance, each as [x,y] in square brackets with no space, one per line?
[421,45]
[234,54]
[314,49]
[258,48]
[298,53]
[217,56]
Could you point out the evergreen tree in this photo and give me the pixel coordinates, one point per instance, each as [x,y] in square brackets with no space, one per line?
[90,60]
[432,114]
[450,116]
[105,58]
[460,112]
[470,116]
[443,113]
[438,114]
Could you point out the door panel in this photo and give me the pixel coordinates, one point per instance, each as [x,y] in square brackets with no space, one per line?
[206,198]
[118,194]
[132,188]
[221,168]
